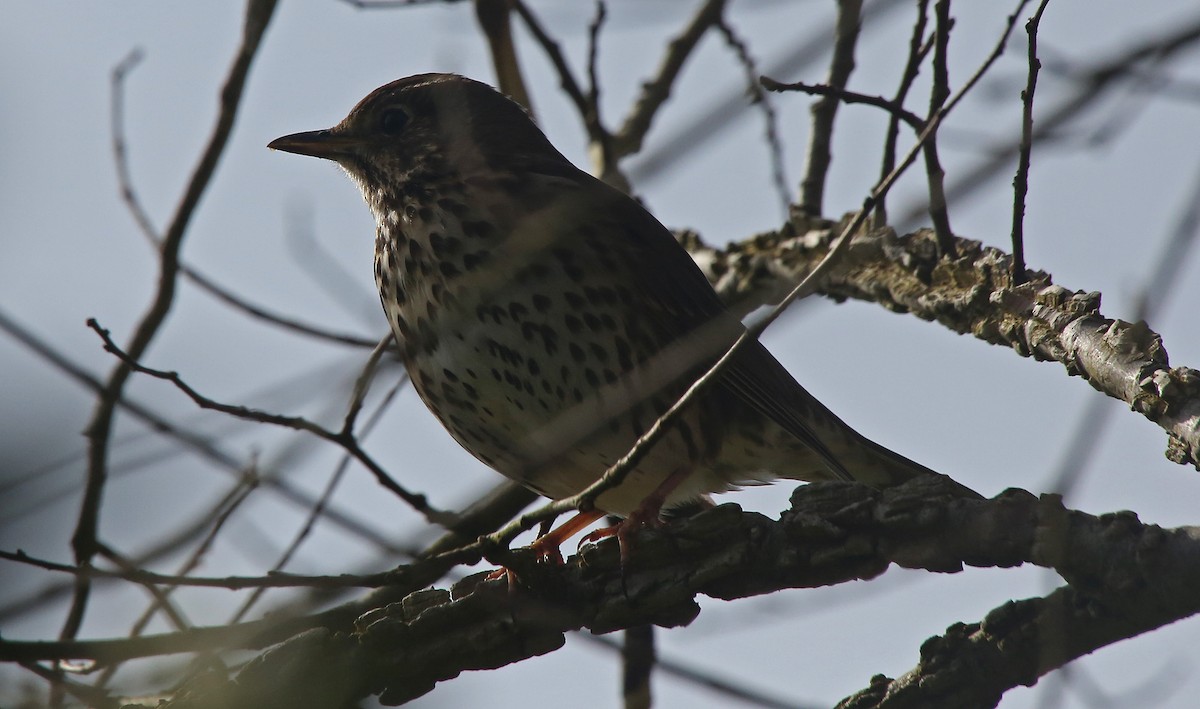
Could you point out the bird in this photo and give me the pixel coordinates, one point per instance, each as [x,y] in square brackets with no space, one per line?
[547,319]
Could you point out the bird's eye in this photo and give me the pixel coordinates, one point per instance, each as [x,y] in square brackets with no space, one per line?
[393,121]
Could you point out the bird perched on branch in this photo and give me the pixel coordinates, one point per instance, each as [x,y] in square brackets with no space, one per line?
[547,319]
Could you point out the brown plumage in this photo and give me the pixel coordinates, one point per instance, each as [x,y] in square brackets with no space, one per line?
[547,319]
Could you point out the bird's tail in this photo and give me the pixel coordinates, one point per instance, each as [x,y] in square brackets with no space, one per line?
[868,462]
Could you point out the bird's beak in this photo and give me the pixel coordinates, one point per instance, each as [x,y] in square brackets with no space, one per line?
[317,143]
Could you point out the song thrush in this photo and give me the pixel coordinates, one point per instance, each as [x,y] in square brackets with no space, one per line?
[547,319]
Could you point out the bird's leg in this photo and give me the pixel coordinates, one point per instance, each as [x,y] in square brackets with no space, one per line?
[547,545]
[646,515]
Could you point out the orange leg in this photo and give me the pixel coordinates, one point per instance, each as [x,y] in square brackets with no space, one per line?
[547,545]
[646,515]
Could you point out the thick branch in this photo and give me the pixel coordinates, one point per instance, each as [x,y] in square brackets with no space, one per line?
[1141,575]
[972,293]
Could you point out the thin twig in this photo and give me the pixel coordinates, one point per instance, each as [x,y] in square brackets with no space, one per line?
[940,90]
[223,510]
[331,486]
[99,429]
[819,154]
[1021,179]
[363,383]
[897,111]
[1103,77]
[774,142]
[90,696]
[566,78]
[233,583]
[495,19]
[344,438]
[141,216]
[723,109]
[656,91]
[918,49]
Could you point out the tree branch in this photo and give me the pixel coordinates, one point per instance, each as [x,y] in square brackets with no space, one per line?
[972,293]
[1138,577]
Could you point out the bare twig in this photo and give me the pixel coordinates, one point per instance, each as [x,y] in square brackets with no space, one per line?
[898,112]
[637,666]
[841,65]
[99,430]
[344,438]
[223,510]
[939,92]
[147,578]
[141,216]
[326,495]
[1021,179]
[89,696]
[754,86]
[704,678]
[720,111]
[494,18]
[566,77]
[1094,86]
[656,91]
[918,49]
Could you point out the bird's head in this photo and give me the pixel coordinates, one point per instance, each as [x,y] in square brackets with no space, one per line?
[428,128]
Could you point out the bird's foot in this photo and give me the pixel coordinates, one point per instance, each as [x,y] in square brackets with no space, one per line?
[546,547]
[641,518]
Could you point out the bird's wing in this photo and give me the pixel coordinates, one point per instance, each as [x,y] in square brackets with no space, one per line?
[672,281]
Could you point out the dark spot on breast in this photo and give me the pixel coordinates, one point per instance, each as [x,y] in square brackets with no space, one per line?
[573,324]
[533,367]
[448,269]
[574,300]
[624,353]
[453,206]
[517,311]
[592,378]
[598,352]
[541,303]
[436,243]
[473,260]
[478,229]
[566,259]
[577,352]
